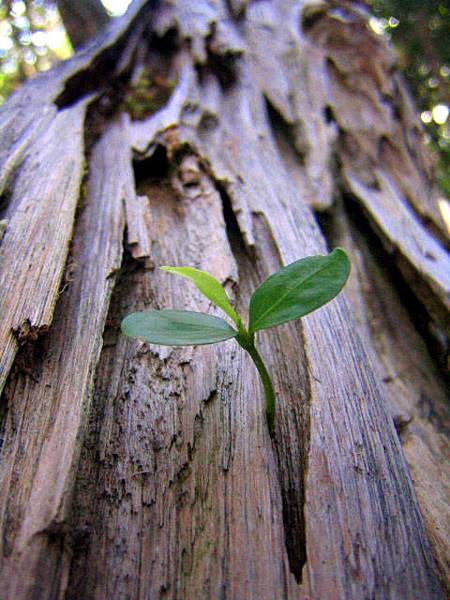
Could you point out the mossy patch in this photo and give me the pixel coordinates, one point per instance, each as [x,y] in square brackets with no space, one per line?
[148,94]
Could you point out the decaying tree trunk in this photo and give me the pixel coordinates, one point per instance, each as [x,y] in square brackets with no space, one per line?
[234,137]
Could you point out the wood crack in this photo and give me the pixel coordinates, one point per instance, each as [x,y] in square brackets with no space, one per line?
[293,390]
[179,492]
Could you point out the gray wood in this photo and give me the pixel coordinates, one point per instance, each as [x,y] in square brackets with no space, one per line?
[34,250]
[38,471]
[143,472]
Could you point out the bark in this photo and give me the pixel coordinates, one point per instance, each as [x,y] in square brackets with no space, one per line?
[234,137]
[82,19]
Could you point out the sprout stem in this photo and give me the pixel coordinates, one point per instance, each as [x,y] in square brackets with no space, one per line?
[269,392]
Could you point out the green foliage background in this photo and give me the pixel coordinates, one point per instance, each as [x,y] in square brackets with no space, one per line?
[420,32]
[32,38]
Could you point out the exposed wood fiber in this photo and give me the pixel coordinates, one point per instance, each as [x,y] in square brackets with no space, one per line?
[143,472]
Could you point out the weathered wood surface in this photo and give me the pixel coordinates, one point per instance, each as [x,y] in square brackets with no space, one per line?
[35,244]
[39,464]
[131,471]
[418,400]
[26,113]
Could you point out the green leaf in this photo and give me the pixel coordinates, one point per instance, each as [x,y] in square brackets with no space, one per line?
[208,286]
[298,289]
[177,327]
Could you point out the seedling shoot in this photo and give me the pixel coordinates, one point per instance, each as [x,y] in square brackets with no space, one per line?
[293,292]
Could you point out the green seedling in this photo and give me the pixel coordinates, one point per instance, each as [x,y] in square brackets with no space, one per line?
[293,292]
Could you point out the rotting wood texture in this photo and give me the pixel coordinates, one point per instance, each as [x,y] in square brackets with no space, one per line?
[143,472]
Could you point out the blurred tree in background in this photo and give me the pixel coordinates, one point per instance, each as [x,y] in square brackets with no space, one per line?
[33,34]
[32,38]
[420,32]
[82,19]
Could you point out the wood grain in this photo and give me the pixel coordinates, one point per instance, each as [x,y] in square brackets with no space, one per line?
[34,250]
[51,405]
[354,466]
[135,471]
[416,393]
